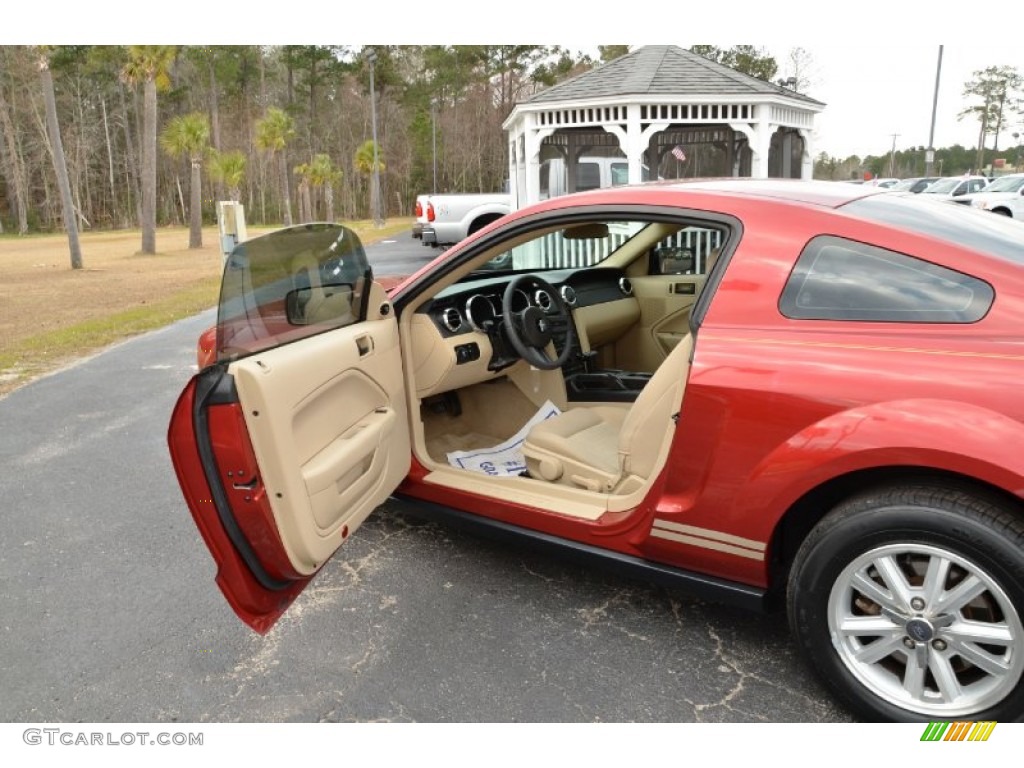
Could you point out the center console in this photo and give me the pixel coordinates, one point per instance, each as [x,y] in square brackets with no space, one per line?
[605,386]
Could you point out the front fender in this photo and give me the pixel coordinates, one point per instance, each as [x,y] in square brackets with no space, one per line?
[935,434]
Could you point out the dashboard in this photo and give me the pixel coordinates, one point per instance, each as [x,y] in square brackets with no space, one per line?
[476,305]
[459,336]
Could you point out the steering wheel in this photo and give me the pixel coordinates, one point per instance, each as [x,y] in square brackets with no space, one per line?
[532,329]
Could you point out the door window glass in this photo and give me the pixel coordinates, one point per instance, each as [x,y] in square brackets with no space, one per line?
[288,285]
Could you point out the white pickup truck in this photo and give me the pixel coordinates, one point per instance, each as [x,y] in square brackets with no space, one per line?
[450,218]
[443,220]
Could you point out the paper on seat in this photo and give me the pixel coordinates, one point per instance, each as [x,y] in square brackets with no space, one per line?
[505,459]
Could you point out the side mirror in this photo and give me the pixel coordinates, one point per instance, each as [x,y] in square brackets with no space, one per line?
[673,261]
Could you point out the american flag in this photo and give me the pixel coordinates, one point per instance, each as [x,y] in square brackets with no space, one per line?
[678,153]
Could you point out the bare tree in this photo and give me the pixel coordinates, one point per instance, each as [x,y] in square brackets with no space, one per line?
[60,166]
[999,90]
[800,67]
[16,166]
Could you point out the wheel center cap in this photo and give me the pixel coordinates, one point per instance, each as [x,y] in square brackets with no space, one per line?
[920,630]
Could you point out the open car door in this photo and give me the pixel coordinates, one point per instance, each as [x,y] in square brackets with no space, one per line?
[299,430]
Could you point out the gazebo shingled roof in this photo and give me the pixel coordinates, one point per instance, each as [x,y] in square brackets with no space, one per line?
[661,70]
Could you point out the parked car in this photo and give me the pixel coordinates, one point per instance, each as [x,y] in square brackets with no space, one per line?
[916,185]
[783,395]
[594,172]
[1004,195]
[420,211]
[883,183]
[452,217]
[956,187]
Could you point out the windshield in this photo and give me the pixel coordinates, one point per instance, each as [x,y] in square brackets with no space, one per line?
[1005,184]
[577,245]
[942,187]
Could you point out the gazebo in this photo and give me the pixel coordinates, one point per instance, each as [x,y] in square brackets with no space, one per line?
[660,111]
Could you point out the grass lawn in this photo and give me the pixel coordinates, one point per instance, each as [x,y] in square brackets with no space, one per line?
[51,314]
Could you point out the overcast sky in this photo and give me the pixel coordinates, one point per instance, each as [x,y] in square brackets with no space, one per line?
[874,91]
[873,60]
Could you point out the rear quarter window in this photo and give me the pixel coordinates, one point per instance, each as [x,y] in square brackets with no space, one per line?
[840,279]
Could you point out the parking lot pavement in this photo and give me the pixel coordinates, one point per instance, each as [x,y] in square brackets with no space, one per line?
[399,255]
[108,608]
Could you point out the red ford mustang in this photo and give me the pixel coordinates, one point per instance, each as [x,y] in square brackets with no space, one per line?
[792,395]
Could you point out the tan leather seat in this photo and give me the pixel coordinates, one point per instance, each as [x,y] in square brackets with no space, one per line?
[611,449]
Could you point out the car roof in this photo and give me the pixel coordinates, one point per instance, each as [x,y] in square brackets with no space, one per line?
[901,210]
[828,194]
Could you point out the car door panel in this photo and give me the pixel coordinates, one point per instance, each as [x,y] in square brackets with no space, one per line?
[327,420]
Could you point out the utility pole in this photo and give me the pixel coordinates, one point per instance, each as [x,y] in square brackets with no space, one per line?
[929,157]
[433,137]
[892,157]
[378,219]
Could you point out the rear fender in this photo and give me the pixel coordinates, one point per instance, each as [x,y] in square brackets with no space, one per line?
[935,434]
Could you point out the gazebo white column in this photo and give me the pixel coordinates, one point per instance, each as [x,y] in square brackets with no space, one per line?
[533,138]
[760,145]
[635,140]
[807,159]
[750,131]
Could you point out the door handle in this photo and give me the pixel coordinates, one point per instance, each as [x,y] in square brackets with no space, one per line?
[364,344]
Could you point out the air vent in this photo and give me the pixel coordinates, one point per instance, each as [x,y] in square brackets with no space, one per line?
[452,319]
[626,286]
[543,300]
[568,295]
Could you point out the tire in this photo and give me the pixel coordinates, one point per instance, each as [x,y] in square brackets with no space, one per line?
[891,593]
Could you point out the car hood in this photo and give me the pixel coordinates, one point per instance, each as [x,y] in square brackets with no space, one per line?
[390,282]
[991,195]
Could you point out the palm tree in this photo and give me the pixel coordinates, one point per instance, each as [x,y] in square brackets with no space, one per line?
[189,136]
[229,169]
[323,174]
[363,162]
[150,65]
[60,165]
[273,132]
[305,203]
